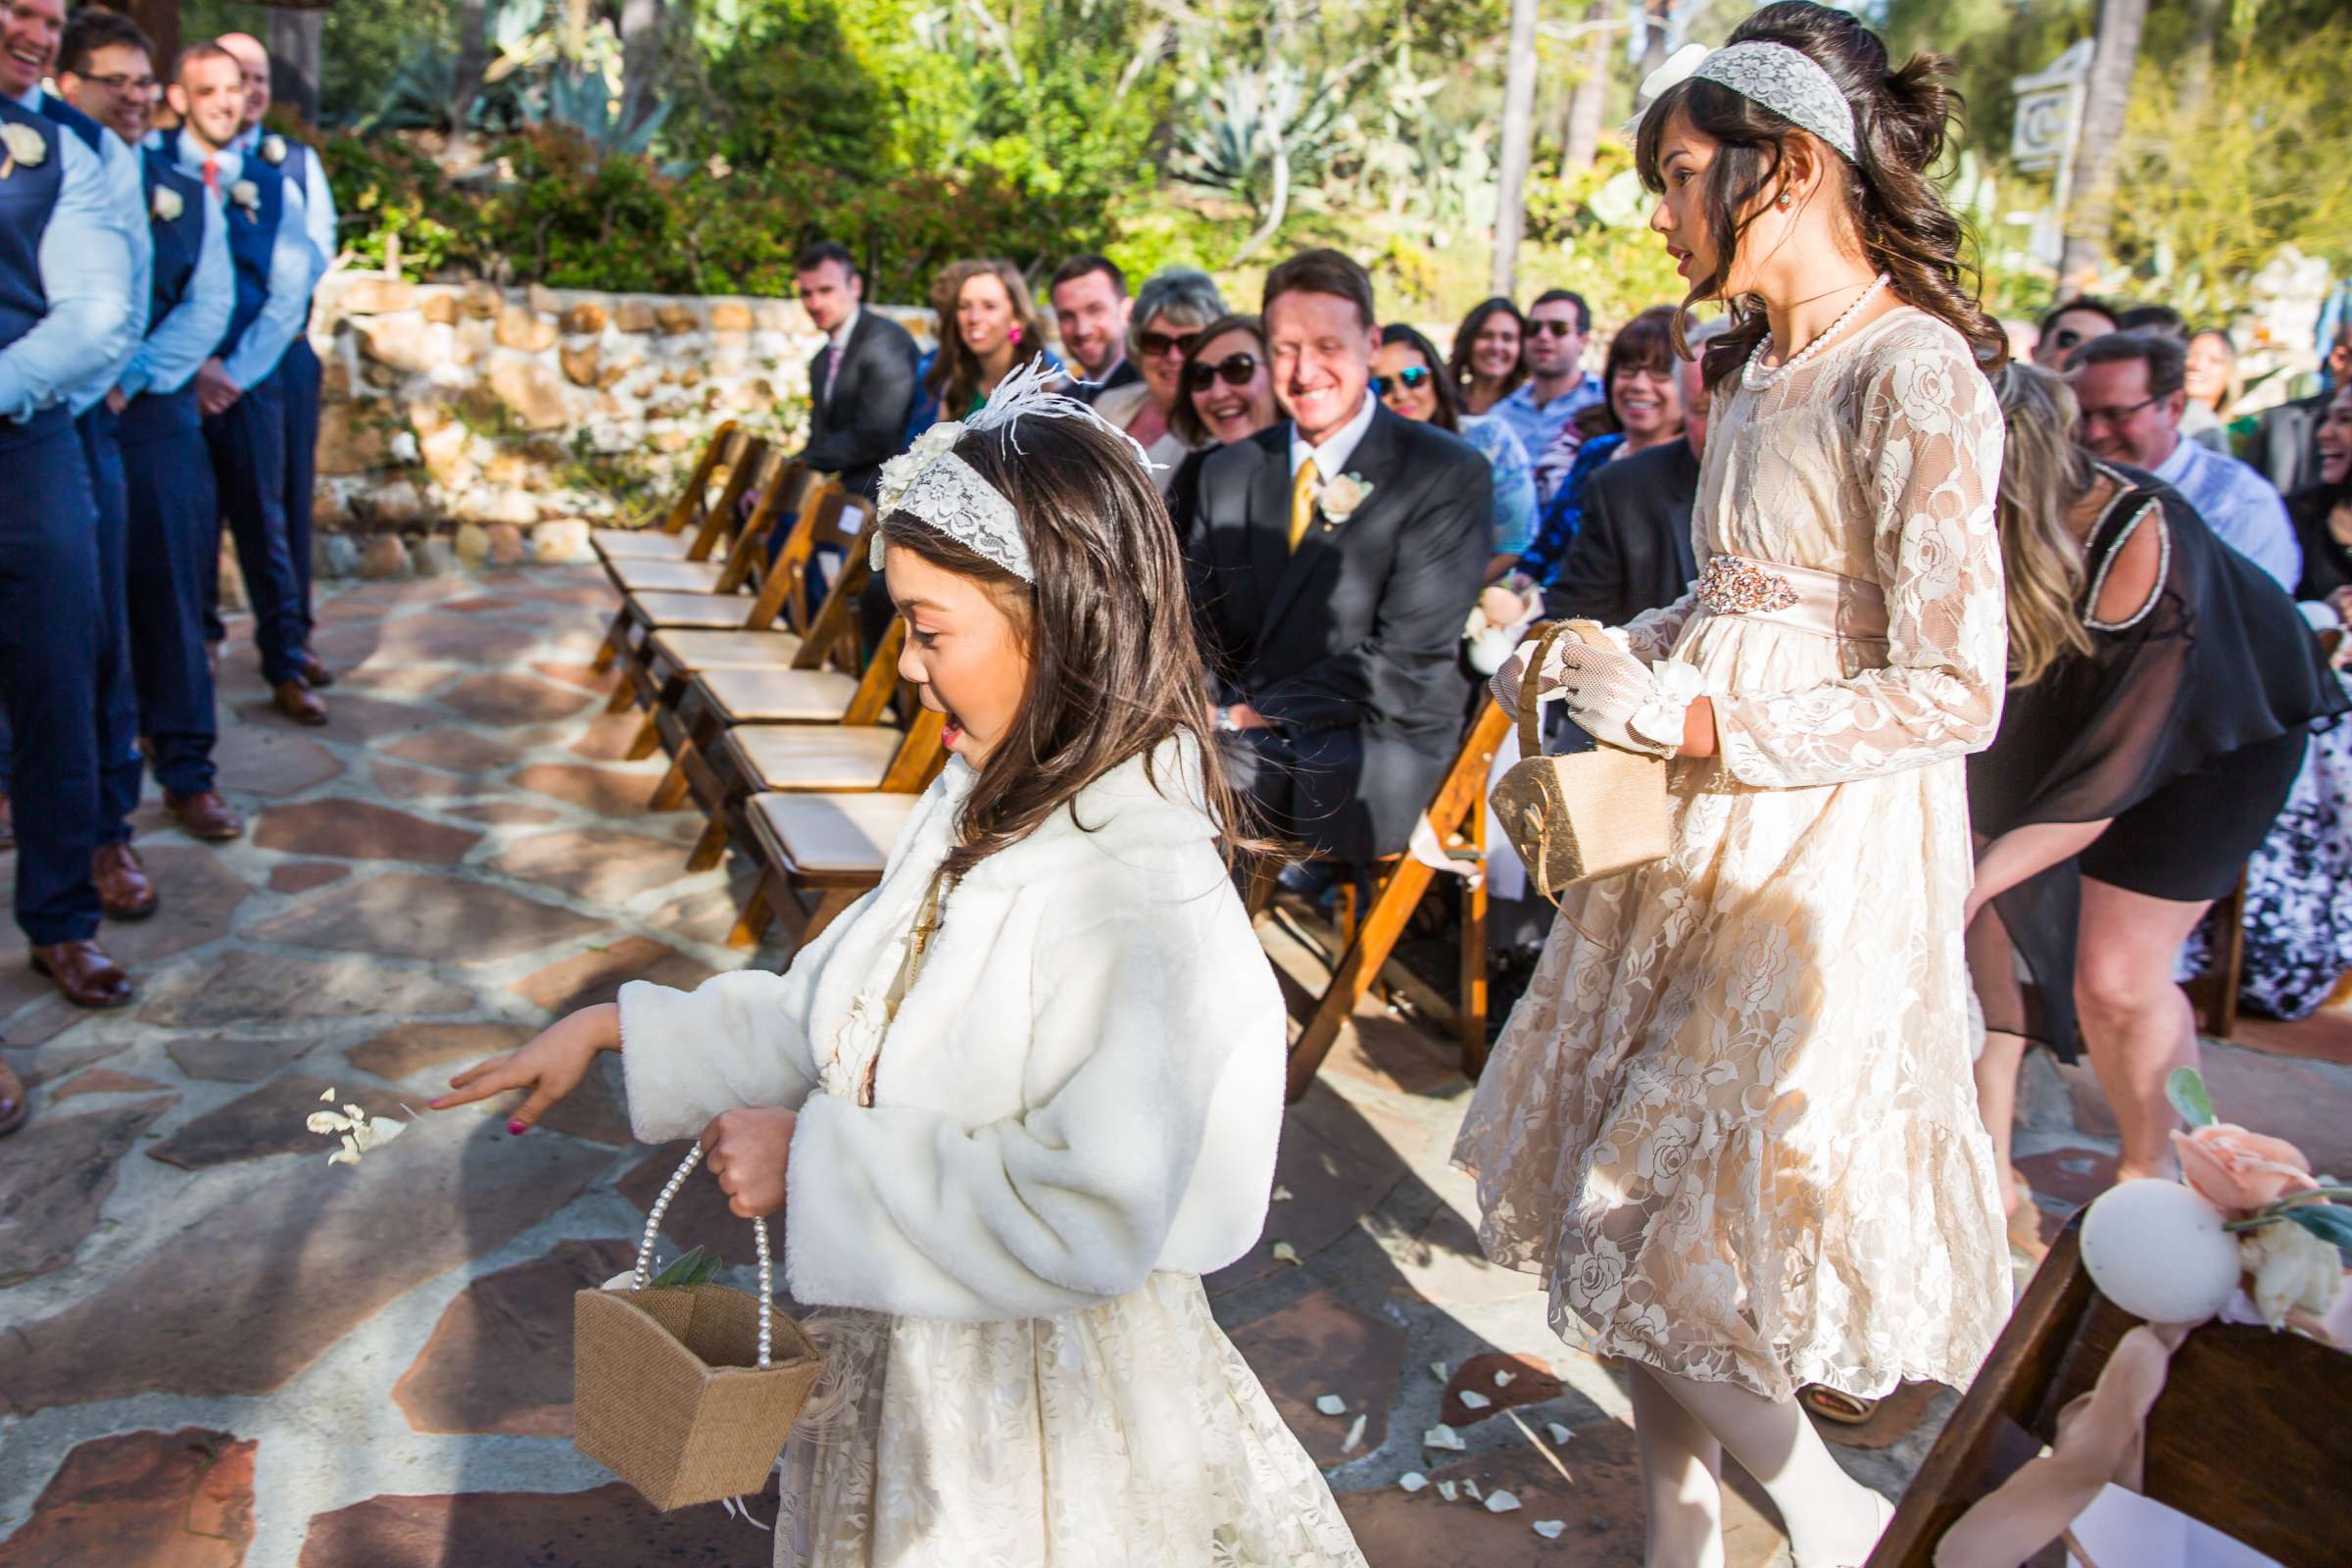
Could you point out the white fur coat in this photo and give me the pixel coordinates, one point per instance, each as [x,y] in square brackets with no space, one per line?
[1084,1085]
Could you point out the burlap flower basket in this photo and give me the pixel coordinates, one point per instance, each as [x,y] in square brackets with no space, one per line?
[687,1392]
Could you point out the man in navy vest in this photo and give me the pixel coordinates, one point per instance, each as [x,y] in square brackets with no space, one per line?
[106,69]
[122,885]
[298,372]
[237,389]
[65,316]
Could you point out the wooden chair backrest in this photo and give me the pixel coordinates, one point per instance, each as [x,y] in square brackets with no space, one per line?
[833,630]
[688,505]
[2244,1438]
[738,469]
[820,508]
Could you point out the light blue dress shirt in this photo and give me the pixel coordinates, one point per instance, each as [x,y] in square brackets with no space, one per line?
[293,269]
[85,274]
[184,339]
[126,193]
[2239,505]
[317,197]
[1539,424]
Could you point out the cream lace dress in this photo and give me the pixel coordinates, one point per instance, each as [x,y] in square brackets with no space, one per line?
[1737,1134]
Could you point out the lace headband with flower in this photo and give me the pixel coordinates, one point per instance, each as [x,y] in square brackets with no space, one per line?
[929,480]
[1788,82]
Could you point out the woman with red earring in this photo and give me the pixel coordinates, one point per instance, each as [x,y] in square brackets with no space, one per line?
[987,326]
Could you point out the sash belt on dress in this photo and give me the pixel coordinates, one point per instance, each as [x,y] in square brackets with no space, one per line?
[1802,598]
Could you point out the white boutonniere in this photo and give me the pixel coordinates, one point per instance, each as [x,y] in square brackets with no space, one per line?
[23,146]
[168,206]
[273,149]
[246,194]
[1338,499]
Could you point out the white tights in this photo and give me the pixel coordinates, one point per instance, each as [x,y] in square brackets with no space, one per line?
[1685,1426]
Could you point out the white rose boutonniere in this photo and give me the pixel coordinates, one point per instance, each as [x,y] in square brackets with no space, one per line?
[1338,499]
[24,148]
[167,204]
[273,149]
[246,194]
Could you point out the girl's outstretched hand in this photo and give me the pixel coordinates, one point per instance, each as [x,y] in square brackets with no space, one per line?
[549,1065]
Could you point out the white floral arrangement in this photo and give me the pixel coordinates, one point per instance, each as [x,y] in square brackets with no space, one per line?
[898,473]
[25,149]
[246,194]
[273,149]
[1339,498]
[166,206]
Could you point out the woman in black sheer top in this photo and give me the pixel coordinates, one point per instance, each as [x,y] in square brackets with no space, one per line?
[2161,691]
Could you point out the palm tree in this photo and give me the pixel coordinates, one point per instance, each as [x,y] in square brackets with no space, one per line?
[2089,208]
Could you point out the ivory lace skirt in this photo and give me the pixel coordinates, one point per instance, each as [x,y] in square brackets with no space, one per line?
[1131,1435]
[1737,1135]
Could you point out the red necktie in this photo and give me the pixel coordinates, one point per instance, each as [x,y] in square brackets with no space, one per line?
[212,175]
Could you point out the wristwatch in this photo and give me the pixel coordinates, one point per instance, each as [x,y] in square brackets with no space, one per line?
[1225,723]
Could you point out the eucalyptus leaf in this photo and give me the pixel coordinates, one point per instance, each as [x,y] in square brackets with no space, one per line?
[2330,1222]
[690,1269]
[2185,1089]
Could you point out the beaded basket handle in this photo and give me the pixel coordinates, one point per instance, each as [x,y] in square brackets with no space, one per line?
[641,1277]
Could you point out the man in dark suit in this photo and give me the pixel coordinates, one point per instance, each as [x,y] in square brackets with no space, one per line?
[861,382]
[1089,311]
[1631,550]
[1334,557]
[2286,444]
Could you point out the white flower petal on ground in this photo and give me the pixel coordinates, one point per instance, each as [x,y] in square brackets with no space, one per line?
[1412,1481]
[1471,1486]
[1285,1252]
[1503,1379]
[326,1123]
[1449,1491]
[1444,1437]
[328,1097]
[1551,1528]
[1437,1369]
[348,1154]
[1472,1399]
[1355,1433]
[1559,1433]
[380,1131]
[1331,1404]
[1502,1501]
[1282,1194]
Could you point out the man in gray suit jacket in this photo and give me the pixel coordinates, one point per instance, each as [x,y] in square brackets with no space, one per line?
[861,382]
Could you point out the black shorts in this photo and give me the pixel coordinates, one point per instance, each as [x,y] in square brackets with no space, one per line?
[2189,840]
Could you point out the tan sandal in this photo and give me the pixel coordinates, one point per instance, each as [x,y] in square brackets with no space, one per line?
[2024,1224]
[1835,1406]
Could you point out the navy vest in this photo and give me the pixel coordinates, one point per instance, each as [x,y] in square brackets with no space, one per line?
[27,196]
[92,133]
[178,241]
[252,238]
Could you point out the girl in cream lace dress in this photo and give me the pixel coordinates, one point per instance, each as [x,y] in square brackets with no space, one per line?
[1026,1092]
[1734,1127]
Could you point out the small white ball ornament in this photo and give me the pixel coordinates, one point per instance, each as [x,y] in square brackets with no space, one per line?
[2158,1250]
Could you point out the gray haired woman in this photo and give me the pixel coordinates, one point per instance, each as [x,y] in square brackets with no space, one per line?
[1170,310]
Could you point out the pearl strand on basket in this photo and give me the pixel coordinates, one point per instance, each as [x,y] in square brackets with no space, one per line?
[767,1281]
[1757,380]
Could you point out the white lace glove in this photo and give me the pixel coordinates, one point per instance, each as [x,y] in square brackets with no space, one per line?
[1619,702]
[1508,680]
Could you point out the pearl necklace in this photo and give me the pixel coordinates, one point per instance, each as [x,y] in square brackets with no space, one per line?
[1757,380]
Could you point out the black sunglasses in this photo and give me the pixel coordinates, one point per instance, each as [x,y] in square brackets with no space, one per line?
[1234,369]
[1156,344]
[1410,379]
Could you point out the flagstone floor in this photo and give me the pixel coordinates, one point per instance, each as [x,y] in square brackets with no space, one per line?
[221,1352]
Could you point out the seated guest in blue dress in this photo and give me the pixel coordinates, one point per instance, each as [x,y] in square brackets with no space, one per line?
[106,71]
[1408,376]
[65,316]
[238,388]
[298,372]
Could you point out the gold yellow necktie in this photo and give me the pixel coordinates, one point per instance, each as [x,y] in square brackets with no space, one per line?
[1303,502]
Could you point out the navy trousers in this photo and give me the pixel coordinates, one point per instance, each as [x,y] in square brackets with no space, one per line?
[298,378]
[175,531]
[248,446]
[120,769]
[49,642]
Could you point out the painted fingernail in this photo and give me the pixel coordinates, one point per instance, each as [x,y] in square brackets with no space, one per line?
[515,1127]
[432,1104]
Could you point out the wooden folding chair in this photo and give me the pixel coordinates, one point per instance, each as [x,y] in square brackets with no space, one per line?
[827,849]
[2213,995]
[1458,814]
[670,541]
[2240,1437]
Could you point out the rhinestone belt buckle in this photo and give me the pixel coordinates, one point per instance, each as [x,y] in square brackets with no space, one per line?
[1731,586]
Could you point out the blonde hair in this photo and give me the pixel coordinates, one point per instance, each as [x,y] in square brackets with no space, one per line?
[2043,475]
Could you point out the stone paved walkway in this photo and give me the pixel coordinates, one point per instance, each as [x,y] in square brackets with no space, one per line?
[221,1352]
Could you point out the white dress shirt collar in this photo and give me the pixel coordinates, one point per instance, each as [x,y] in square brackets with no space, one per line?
[190,155]
[838,337]
[1331,458]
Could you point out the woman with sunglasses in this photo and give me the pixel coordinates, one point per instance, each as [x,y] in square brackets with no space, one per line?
[1170,311]
[1489,355]
[1410,379]
[1228,396]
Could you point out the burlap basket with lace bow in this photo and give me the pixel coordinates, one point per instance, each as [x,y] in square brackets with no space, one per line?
[681,1391]
[1586,814]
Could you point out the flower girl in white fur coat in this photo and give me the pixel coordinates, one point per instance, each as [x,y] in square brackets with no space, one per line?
[1019,1097]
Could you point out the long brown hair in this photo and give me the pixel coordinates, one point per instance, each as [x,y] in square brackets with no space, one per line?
[1465,338]
[1644,343]
[1902,118]
[2044,475]
[956,372]
[1114,665]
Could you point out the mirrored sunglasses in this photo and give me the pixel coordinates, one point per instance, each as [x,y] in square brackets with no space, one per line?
[1411,379]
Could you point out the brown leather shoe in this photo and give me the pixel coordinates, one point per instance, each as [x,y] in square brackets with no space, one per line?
[84,974]
[299,702]
[123,891]
[205,816]
[313,670]
[11,1102]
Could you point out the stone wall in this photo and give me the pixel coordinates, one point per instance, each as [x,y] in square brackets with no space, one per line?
[514,419]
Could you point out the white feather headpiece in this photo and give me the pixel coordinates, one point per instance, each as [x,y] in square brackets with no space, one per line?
[929,480]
